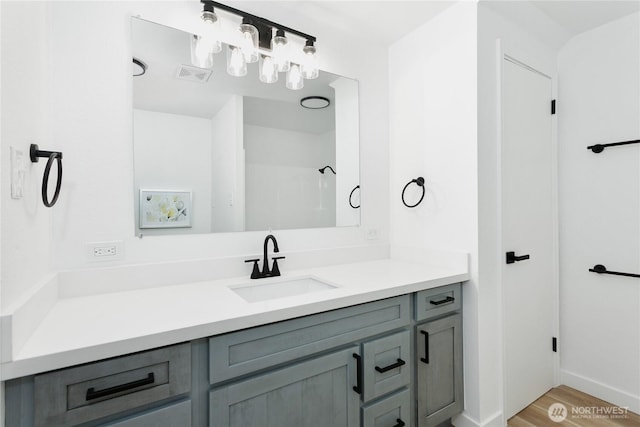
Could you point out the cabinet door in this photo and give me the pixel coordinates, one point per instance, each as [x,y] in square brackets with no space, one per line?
[439,370]
[315,393]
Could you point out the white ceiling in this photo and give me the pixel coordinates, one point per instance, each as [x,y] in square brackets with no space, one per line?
[385,22]
[381,22]
[555,22]
[580,16]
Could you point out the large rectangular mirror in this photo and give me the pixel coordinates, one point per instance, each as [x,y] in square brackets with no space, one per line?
[217,153]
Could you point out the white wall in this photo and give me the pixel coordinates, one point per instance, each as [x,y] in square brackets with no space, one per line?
[91,121]
[173,152]
[228,167]
[26,223]
[433,134]
[599,102]
[284,187]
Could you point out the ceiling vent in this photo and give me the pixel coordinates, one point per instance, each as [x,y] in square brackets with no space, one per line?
[193,74]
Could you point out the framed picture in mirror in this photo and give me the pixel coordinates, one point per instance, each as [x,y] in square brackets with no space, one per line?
[165,208]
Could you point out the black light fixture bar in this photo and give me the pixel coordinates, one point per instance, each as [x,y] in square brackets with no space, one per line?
[599,148]
[257,19]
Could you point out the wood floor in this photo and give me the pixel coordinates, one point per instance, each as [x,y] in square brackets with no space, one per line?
[579,408]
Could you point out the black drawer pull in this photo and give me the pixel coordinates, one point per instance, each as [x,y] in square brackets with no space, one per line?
[399,363]
[442,301]
[358,387]
[425,359]
[399,423]
[93,394]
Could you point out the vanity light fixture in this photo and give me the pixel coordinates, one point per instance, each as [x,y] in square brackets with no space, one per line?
[294,78]
[207,43]
[236,62]
[315,102]
[279,51]
[310,68]
[258,40]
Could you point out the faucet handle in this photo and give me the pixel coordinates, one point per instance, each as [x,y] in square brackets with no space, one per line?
[255,274]
[275,271]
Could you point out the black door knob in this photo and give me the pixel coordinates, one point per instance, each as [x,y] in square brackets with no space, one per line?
[512,257]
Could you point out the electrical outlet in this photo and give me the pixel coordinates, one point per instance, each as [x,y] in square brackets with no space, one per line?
[105,251]
[372,234]
[18,170]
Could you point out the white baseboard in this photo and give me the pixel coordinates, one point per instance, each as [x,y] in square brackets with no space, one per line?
[464,420]
[601,391]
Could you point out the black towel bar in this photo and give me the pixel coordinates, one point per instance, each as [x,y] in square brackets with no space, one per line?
[599,148]
[601,269]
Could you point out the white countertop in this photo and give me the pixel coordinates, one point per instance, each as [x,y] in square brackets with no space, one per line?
[86,328]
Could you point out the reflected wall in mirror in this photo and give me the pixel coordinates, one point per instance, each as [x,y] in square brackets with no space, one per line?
[250,155]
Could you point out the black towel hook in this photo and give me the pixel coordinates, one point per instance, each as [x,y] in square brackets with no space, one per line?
[35,155]
[420,182]
[351,195]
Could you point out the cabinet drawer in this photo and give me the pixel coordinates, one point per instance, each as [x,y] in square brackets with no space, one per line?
[394,411]
[386,364]
[239,353]
[177,415]
[438,301]
[88,392]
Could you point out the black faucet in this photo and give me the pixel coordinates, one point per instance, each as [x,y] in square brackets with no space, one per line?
[275,271]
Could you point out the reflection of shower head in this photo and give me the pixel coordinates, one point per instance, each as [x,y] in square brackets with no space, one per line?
[322,170]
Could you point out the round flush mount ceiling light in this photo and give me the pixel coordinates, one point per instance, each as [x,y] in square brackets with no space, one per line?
[315,102]
[139,67]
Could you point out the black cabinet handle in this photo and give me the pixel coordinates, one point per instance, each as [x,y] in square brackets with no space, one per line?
[511,257]
[96,394]
[358,387]
[442,301]
[399,423]
[399,363]
[425,359]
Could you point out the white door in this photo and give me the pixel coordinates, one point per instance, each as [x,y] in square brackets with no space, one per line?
[527,229]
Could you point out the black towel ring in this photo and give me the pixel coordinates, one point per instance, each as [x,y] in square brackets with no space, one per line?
[35,155]
[420,182]
[351,195]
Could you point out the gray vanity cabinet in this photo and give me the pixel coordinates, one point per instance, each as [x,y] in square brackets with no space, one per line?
[388,363]
[315,393]
[439,370]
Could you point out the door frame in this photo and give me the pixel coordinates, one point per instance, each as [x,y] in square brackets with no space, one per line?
[503,54]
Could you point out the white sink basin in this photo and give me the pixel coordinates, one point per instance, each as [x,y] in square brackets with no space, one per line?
[266,289]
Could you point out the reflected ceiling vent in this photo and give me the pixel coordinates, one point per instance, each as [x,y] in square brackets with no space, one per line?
[193,74]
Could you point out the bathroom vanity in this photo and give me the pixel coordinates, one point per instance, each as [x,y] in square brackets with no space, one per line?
[348,356]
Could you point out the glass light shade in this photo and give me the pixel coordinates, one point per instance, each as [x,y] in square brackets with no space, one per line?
[268,69]
[201,55]
[210,31]
[236,65]
[294,78]
[310,67]
[280,53]
[249,42]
